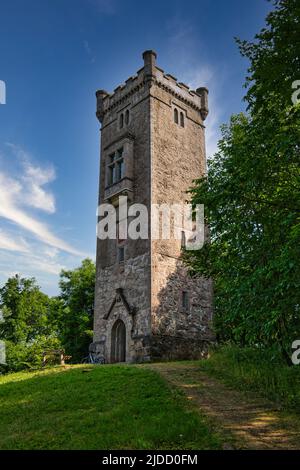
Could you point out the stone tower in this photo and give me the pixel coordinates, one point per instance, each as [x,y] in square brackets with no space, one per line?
[152,148]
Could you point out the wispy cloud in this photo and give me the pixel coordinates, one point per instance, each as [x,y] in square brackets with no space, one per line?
[206,76]
[29,246]
[106,7]
[17,244]
[188,57]
[34,178]
[26,191]
[89,51]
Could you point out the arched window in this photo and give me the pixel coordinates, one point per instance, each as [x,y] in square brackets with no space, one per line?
[185,301]
[127,117]
[175,116]
[121,120]
[181,120]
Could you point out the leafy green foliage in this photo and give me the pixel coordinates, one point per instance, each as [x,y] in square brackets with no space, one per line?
[33,322]
[252,197]
[28,355]
[76,309]
[24,309]
[26,327]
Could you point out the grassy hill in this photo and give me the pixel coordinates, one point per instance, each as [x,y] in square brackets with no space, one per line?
[104,407]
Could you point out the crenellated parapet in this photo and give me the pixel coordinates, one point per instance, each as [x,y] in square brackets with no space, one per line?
[182,92]
[145,78]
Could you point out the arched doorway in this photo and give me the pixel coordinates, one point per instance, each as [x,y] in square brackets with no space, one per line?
[118,342]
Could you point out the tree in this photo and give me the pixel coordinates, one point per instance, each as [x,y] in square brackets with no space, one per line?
[76,310]
[27,327]
[34,322]
[25,310]
[252,196]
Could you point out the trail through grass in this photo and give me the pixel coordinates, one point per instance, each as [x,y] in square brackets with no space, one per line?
[246,422]
[257,370]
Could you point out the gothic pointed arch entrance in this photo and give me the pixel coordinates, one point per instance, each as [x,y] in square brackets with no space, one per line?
[118,342]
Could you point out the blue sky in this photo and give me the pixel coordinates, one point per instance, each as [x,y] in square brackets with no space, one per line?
[54,55]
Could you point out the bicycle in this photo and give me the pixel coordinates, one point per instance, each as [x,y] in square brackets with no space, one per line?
[93,358]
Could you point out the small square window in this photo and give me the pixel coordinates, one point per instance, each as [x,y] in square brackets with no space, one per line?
[121,254]
[183,239]
[185,302]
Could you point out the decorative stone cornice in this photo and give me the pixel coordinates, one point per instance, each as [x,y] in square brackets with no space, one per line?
[178,96]
[161,85]
[122,99]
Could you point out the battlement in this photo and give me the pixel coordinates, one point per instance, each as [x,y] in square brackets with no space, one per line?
[197,99]
[145,78]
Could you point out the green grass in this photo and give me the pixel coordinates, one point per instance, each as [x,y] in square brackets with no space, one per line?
[107,407]
[262,371]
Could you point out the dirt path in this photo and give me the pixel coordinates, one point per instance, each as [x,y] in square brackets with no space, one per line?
[252,423]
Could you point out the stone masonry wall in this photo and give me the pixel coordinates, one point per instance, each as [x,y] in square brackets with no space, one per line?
[162,159]
[178,158]
[134,280]
[134,275]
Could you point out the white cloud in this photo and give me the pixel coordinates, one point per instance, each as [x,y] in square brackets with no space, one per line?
[28,257]
[10,209]
[8,243]
[89,51]
[26,190]
[32,258]
[29,263]
[50,251]
[106,7]
[43,265]
[206,76]
[191,68]
[33,180]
